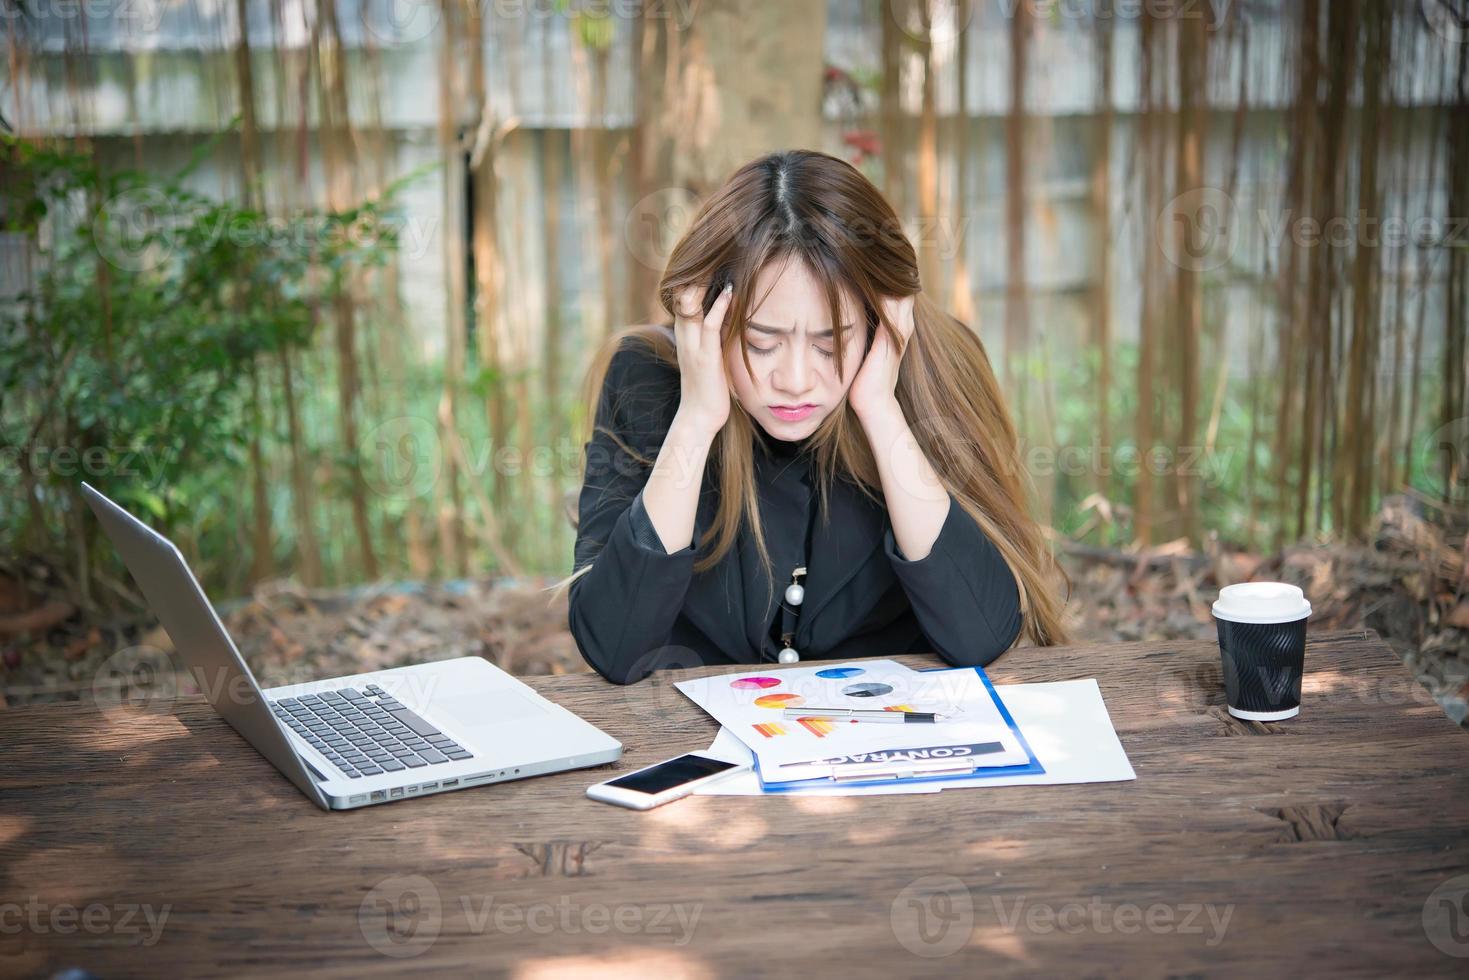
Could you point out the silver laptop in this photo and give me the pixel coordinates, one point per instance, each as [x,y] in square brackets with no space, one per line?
[368,738]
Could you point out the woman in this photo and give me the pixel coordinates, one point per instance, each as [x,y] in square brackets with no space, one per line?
[811,462]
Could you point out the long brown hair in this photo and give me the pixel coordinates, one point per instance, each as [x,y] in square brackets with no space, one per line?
[806,205]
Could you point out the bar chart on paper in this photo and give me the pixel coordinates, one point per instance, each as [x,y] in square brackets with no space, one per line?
[820,727]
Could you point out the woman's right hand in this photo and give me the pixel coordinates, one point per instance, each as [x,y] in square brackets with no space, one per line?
[704,395]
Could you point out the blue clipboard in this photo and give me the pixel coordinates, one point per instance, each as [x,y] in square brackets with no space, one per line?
[1032,767]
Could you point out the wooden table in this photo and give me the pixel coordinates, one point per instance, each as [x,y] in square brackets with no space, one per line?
[1337,842]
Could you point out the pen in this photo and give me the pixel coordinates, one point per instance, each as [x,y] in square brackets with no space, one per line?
[913,771]
[918,765]
[866,714]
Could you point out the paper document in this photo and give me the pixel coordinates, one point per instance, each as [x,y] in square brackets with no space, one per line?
[1065,722]
[814,746]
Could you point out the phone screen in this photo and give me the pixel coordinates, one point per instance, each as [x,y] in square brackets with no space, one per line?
[667,775]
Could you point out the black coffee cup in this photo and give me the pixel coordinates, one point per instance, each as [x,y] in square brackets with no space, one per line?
[1262,643]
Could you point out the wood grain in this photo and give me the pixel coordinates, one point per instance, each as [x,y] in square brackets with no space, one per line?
[1307,846]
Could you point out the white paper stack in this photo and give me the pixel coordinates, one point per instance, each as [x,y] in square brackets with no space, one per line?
[1065,722]
[790,719]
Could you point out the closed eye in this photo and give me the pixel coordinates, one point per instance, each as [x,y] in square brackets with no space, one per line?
[829,355]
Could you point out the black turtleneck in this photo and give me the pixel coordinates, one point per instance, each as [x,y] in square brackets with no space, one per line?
[785,448]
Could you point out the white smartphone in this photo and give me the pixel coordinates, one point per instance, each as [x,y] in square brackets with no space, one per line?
[669,780]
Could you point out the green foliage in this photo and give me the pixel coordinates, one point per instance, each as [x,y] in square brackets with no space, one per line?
[1230,493]
[127,359]
[593,28]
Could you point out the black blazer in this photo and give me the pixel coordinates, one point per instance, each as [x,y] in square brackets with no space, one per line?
[641,608]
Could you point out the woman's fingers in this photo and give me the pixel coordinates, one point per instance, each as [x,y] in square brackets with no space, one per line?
[899,310]
[688,303]
[715,319]
[704,390]
[691,326]
[686,319]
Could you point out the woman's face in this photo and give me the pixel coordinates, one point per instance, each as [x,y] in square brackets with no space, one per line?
[793,353]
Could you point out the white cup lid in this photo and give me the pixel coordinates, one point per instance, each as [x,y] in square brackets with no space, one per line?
[1261,602]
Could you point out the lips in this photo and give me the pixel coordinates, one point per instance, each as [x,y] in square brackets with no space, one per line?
[792,413]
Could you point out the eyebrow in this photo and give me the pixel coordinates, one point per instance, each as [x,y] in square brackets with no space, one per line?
[776,330]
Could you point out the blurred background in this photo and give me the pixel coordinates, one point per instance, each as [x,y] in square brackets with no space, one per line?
[311,286]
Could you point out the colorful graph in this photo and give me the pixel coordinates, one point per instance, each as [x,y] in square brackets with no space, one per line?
[867,690]
[840,673]
[779,701]
[770,729]
[899,707]
[820,727]
[754,683]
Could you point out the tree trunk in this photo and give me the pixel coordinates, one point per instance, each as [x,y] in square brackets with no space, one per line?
[450,503]
[1101,194]
[891,108]
[1150,150]
[489,327]
[962,294]
[1017,300]
[1188,320]
[261,565]
[928,160]
[340,162]
[1353,480]
[1456,283]
[749,82]
[1425,276]
[1342,34]
[649,165]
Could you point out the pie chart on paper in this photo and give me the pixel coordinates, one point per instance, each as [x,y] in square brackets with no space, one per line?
[753,683]
[839,673]
[867,690]
[779,701]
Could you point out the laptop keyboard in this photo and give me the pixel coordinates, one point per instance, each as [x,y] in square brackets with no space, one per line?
[367,733]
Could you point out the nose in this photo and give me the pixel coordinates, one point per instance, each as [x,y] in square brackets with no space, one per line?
[794,373]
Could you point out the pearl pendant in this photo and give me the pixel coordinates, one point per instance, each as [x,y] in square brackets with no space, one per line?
[789,656]
[795,593]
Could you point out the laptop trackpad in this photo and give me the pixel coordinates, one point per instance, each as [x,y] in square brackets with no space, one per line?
[468,711]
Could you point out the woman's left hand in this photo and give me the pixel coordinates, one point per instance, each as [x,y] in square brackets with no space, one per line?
[874,390]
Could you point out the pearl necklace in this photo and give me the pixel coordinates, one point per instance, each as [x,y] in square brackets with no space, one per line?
[795,594]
